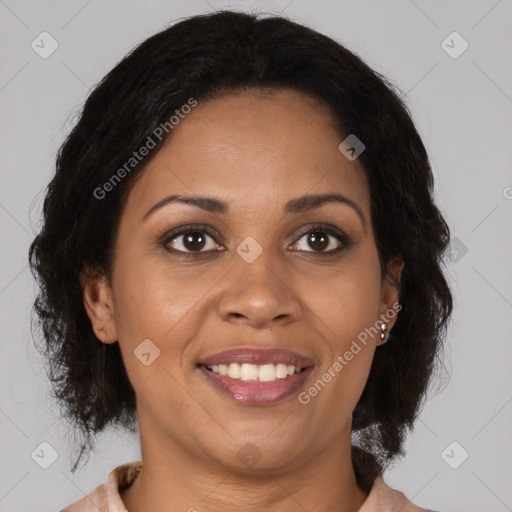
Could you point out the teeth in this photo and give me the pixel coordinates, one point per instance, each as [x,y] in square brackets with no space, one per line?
[268,372]
[234,371]
[282,371]
[263,373]
[249,372]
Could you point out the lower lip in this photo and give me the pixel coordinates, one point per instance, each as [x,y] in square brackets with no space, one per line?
[256,392]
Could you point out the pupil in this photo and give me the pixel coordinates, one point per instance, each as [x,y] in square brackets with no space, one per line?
[194,240]
[319,240]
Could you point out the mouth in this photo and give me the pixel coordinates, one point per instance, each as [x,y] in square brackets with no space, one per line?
[255,376]
[254,372]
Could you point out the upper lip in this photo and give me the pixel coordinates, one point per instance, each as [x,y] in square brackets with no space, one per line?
[257,356]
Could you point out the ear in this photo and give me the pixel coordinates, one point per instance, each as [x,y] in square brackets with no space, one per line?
[390,292]
[97,295]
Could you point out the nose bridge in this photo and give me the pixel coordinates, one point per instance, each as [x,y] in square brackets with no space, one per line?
[257,289]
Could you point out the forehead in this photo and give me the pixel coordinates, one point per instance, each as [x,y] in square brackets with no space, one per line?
[249,147]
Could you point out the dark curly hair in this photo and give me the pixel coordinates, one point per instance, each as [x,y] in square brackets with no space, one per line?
[204,57]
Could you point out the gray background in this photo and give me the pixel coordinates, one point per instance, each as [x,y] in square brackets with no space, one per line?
[463,108]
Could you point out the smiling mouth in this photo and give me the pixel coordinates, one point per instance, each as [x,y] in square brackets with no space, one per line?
[255,376]
[255,372]
[277,382]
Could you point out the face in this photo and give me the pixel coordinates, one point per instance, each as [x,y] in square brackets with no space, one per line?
[258,268]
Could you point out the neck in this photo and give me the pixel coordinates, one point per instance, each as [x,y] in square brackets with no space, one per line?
[173,478]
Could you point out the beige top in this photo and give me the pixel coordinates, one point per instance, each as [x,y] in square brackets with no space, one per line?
[106,497]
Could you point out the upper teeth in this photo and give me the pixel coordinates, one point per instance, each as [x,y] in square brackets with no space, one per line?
[264,372]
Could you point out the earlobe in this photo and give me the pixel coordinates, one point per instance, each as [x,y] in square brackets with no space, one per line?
[97,298]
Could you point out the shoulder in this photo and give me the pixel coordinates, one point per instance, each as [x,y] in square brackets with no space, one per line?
[383,498]
[106,497]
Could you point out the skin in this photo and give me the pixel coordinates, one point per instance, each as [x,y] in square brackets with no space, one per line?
[255,151]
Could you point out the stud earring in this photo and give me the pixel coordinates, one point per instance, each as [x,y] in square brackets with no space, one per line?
[384,334]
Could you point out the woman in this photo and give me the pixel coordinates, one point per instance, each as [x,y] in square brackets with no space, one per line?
[241,253]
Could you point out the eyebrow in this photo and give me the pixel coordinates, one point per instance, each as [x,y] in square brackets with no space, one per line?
[297,205]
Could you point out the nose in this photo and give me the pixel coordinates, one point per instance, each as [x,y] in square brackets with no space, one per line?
[259,294]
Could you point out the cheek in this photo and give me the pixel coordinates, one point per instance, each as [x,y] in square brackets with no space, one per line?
[348,306]
[346,297]
[165,304]
[348,309]
[152,308]
[151,296]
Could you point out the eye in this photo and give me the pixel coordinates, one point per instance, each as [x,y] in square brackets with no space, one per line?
[324,240]
[190,240]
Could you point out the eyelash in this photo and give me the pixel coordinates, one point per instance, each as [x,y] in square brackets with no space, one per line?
[164,240]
